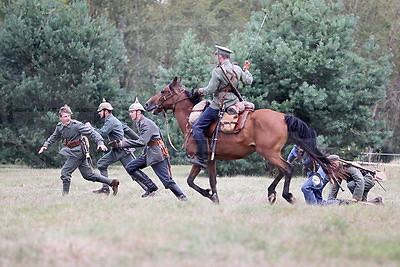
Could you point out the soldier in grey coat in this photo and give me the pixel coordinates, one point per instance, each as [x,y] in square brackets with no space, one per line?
[223,77]
[155,153]
[358,183]
[71,131]
[114,130]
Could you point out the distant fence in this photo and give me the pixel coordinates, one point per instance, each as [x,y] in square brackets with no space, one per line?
[382,159]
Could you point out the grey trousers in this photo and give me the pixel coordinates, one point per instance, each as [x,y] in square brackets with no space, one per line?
[80,162]
[124,157]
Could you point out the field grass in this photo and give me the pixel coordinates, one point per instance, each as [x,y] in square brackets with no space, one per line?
[39,227]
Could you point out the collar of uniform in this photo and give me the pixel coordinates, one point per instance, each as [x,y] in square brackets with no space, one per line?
[141,120]
[68,125]
[109,117]
[226,62]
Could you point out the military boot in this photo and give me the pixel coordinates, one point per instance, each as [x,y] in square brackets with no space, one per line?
[202,154]
[104,190]
[150,192]
[178,192]
[114,186]
[66,186]
[376,201]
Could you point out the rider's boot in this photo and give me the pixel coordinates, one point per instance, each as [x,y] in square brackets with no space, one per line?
[202,154]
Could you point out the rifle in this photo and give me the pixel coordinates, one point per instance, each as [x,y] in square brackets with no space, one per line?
[85,149]
[234,90]
[215,134]
[373,173]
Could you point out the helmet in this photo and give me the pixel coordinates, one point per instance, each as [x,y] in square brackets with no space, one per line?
[105,105]
[136,106]
[65,109]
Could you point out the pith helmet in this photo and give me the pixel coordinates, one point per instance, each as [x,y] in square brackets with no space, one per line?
[223,50]
[65,109]
[136,106]
[105,105]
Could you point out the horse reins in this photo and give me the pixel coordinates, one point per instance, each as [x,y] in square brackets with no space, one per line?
[159,104]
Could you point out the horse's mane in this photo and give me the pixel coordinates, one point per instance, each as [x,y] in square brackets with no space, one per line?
[194,98]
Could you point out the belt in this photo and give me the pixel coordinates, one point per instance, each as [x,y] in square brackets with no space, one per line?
[158,142]
[73,143]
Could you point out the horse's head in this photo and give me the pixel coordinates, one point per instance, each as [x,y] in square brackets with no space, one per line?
[167,98]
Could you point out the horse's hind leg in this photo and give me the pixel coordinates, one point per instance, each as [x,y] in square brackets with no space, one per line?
[285,169]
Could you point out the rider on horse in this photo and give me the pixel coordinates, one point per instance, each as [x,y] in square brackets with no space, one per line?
[224,81]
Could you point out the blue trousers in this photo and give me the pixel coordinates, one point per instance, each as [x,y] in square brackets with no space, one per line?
[161,169]
[199,127]
[313,193]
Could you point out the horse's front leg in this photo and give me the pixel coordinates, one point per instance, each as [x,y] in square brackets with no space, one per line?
[212,173]
[190,180]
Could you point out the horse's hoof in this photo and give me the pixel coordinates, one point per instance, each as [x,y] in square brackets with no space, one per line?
[272,198]
[207,193]
[290,198]
[214,198]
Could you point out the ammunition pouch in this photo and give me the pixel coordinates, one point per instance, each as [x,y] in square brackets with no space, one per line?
[115,144]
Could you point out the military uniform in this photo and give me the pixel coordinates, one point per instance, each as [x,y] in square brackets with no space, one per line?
[154,154]
[223,77]
[218,86]
[115,130]
[317,180]
[71,136]
[358,184]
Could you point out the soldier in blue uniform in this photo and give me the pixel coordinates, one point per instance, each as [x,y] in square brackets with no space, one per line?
[114,130]
[223,77]
[71,131]
[317,179]
[155,153]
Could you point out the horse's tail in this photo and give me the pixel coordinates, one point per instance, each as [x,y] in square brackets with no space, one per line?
[306,138]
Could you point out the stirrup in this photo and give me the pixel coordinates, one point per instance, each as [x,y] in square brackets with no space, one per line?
[201,163]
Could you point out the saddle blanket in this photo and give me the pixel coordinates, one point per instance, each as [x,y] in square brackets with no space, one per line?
[233,119]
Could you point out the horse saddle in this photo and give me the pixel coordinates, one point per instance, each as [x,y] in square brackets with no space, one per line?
[233,119]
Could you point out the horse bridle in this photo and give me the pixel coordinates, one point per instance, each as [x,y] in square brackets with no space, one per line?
[165,97]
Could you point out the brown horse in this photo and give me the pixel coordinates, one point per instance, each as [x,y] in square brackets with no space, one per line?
[265,131]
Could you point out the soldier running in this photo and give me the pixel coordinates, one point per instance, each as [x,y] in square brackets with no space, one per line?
[155,153]
[114,130]
[71,131]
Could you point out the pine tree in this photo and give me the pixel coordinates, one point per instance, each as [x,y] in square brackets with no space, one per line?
[53,54]
[305,64]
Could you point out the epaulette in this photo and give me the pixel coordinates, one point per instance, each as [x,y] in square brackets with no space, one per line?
[75,121]
[234,63]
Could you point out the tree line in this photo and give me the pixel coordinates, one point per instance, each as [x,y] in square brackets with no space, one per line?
[331,63]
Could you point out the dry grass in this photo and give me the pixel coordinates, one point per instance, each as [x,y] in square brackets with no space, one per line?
[39,227]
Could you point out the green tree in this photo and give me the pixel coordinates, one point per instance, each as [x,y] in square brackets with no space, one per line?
[306,64]
[53,54]
[381,18]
